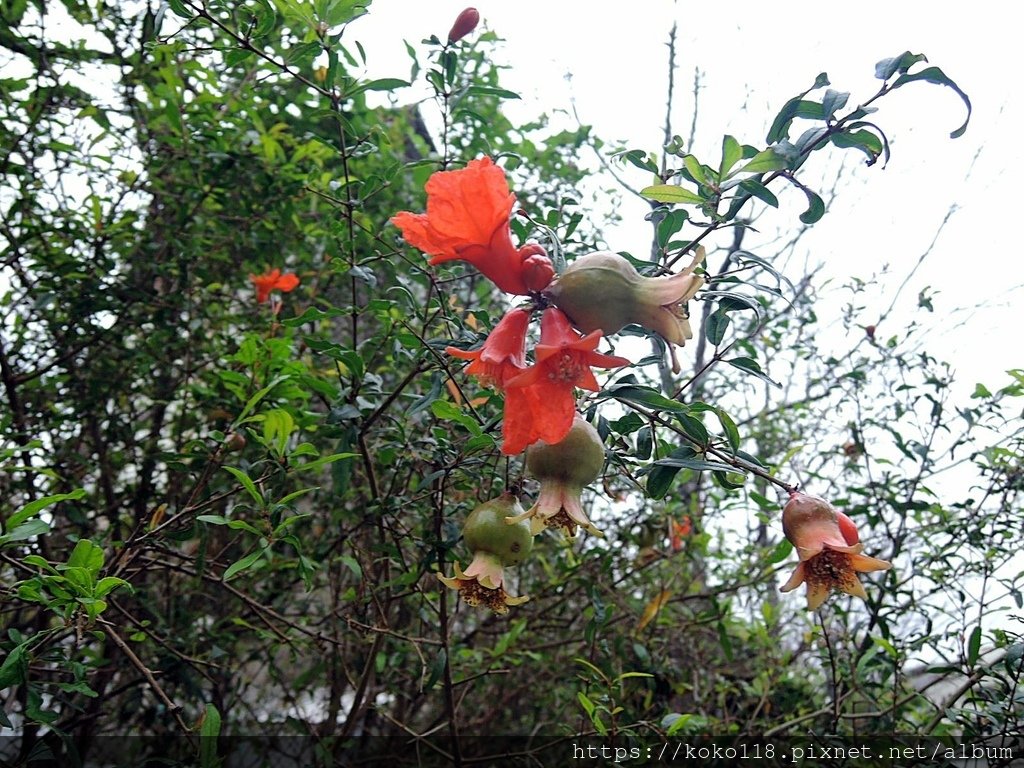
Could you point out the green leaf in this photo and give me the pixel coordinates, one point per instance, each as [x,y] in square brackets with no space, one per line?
[586,703]
[670,193]
[644,443]
[385,84]
[39,562]
[179,9]
[15,667]
[751,366]
[236,56]
[294,495]
[644,396]
[254,400]
[661,476]
[108,584]
[436,669]
[694,428]
[794,108]
[937,76]
[864,140]
[448,411]
[26,531]
[732,153]
[670,224]
[244,564]
[815,207]
[208,733]
[764,161]
[353,565]
[303,53]
[832,102]
[886,68]
[34,507]
[323,461]
[696,170]
[248,484]
[732,433]
[716,326]
[638,158]
[487,90]
[265,18]
[780,552]
[213,519]
[974,647]
[87,556]
[760,191]
[699,465]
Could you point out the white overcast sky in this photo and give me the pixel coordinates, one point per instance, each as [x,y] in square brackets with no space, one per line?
[752,58]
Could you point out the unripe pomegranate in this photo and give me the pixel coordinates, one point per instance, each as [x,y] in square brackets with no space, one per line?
[486,530]
[576,461]
[603,291]
[563,469]
[495,544]
[829,548]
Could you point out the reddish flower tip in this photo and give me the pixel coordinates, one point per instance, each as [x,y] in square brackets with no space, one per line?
[464,24]
[273,281]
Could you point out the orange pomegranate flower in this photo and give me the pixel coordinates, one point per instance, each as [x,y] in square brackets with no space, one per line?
[679,530]
[503,354]
[273,281]
[829,548]
[467,219]
[540,403]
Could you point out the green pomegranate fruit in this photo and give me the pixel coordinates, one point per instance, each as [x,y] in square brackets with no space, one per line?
[603,291]
[486,530]
[576,461]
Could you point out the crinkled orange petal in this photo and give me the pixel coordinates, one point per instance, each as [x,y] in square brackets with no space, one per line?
[470,202]
[544,411]
[467,219]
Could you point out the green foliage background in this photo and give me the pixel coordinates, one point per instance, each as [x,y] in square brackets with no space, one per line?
[166,580]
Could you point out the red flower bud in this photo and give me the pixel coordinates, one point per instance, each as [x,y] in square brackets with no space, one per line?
[464,24]
[538,271]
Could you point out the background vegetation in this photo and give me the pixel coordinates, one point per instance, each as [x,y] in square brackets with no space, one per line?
[224,518]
